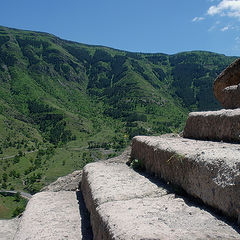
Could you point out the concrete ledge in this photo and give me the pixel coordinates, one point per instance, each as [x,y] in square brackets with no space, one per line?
[222,125]
[206,170]
[125,205]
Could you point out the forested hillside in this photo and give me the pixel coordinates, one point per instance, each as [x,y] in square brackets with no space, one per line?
[63,104]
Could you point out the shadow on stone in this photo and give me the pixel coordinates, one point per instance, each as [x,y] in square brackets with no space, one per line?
[85,218]
[196,202]
[190,200]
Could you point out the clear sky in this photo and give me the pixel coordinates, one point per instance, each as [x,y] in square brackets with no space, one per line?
[166,26]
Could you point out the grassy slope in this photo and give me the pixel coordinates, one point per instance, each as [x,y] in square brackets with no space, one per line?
[10,206]
[60,97]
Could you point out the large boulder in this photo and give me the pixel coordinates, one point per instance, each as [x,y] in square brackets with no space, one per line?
[231,97]
[226,89]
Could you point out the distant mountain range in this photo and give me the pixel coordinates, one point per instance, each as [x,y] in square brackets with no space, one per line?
[63,104]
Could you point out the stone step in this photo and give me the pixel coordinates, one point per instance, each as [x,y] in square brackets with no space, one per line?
[124,205]
[51,216]
[222,125]
[207,170]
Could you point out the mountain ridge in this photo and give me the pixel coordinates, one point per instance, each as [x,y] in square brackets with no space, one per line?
[75,103]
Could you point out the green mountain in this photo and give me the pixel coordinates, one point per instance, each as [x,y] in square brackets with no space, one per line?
[63,104]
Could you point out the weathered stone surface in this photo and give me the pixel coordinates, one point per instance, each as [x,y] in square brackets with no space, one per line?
[207,170]
[222,125]
[231,97]
[164,217]
[126,205]
[8,228]
[51,215]
[111,181]
[228,97]
[67,183]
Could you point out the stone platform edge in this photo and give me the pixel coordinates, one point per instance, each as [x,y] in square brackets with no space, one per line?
[206,170]
[222,125]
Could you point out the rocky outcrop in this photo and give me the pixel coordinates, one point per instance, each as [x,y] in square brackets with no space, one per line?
[70,182]
[206,170]
[222,125]
[226,89]
[125,205]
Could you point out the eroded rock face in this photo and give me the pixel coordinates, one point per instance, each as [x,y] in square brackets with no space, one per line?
[226,89]
[222,125]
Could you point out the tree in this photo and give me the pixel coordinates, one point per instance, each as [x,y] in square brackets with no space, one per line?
[4,177]
[17,211]
[16,159]
[20,153]
[17,197]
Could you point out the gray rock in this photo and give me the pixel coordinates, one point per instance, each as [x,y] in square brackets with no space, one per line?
[67,183]
[222,125]
[229,98]
[206,170]
[51,215]
[46,210]
[126,205]
[8,228]
[164,217]
[112,181]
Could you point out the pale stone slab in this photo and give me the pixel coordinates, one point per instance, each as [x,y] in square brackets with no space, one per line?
[51,216]
[163,217]
[108,181]
[207,170]
[125,205]
[8,228]
[222,125]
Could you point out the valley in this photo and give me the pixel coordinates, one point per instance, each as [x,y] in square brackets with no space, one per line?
[64,104]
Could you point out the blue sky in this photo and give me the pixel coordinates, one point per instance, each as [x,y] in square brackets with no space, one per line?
[166,26]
